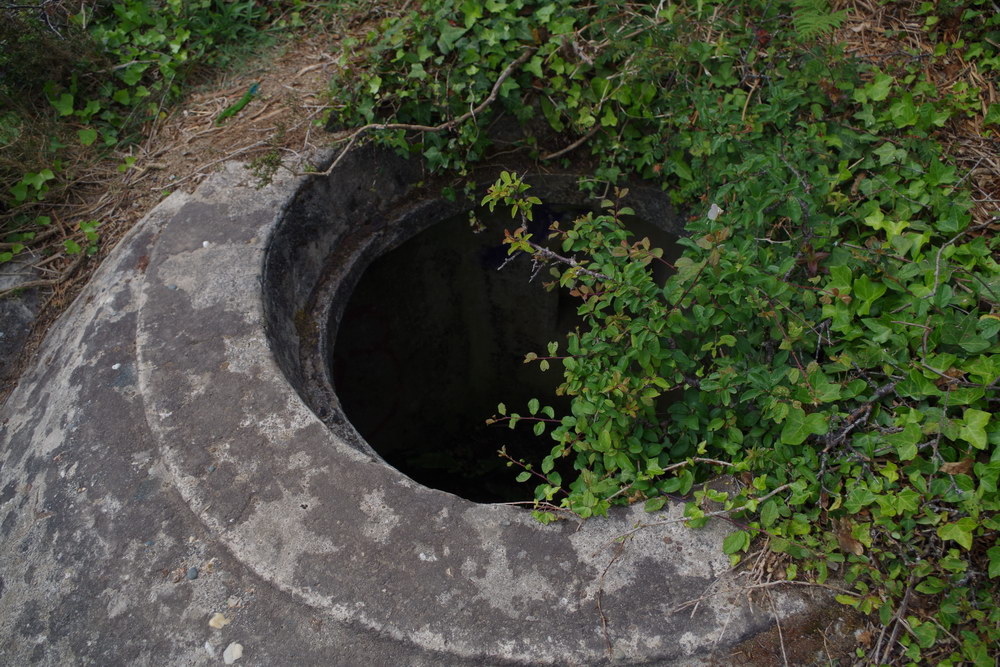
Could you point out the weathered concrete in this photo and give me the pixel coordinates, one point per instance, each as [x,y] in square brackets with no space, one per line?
[159,432]
[18,313]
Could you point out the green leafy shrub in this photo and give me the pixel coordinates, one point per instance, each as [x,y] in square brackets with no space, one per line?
[829,336]
[74,86]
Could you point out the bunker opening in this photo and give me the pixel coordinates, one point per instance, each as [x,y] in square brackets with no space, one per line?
[434,336]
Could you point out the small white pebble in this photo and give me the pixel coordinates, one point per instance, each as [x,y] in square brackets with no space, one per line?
[116,367]
[218,621]
[232,653]
[204,244]
[210,649]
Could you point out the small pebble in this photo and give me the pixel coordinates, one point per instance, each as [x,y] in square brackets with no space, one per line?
[211,468]
[171,286]
[232,653]
[233,602]
[116,367]
[204,244]
[192,573]
[218,621]
[210,649]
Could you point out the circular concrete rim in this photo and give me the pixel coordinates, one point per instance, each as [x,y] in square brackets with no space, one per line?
[327,522]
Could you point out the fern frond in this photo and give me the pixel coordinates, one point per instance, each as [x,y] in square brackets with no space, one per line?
[813,18]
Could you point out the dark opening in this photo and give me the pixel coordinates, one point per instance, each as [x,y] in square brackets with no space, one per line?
[434,336]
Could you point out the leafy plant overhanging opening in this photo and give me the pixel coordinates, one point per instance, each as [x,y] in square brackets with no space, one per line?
[840,282]
[431,332]
[434,330]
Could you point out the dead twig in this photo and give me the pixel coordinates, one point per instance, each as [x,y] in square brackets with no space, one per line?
[777,623]
[47,282]
[573,146]
[600,596]
[353,136]
[898,618]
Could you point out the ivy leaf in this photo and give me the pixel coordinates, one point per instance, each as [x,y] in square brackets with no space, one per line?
[449,35]
[907,500]
[64,104]
[915,385]
[474,11]
[37,180]
[799,426]
[87,136]
[132,75]
[878,89]
[994,555]
[960,531]
[888,153]
[860,496]
[903,112]
[906,441]
[867,292]
[973,428]
[535,67]
[992,114]
[962,331]
[20,191]
[561,25]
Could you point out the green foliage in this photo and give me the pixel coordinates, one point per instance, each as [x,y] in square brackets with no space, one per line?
[829,335]
[87,83]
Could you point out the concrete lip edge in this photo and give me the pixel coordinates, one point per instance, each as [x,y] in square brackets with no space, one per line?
[350,536]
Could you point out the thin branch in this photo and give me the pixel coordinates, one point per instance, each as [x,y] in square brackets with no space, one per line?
[549,254]
[898,617]
[573,146]
[937,261]
[777,622]
[355,134]
[600,596]
[47,282]
[856,417]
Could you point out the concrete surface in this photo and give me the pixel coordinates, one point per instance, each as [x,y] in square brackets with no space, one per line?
[158,466]
[18,313]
